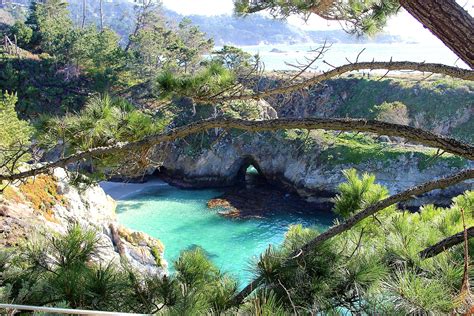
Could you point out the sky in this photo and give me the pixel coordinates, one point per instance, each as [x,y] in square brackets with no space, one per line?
[403,24]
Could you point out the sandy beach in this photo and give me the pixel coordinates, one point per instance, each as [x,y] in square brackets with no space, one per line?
[122,190]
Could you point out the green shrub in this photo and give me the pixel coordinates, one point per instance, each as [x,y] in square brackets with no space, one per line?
[14,133]
[374,266]
[22,32]
[394,112]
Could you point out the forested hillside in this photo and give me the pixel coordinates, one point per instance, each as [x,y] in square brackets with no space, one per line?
[224,29]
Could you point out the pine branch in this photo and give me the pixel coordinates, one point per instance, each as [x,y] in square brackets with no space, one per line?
[454,72]
[445,244]
[352,221]
[413,134]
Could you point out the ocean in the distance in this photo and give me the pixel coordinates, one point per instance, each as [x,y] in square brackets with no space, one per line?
[275,57]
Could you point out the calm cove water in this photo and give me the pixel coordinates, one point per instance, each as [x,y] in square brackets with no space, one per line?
[181,220]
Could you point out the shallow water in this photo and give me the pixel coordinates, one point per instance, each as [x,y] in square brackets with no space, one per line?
[181,220]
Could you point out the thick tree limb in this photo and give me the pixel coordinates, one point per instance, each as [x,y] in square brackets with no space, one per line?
[381,128]
[401,65]
[449,22]
[369,211]
[445,244]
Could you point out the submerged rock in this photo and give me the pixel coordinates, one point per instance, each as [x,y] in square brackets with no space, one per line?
[262,201]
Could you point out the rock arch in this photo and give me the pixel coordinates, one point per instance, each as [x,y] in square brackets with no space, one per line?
[244,163]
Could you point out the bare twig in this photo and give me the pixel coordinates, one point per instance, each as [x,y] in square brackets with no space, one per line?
[381,128]
[336,71]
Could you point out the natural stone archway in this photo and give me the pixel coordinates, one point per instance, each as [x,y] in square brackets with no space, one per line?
[245,163]
[313,176]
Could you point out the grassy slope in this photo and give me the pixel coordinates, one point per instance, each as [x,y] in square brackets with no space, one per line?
[430,103]
[358,148]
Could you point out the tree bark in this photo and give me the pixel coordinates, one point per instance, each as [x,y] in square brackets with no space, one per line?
[454,72]
[84,5]
[445,244]
[449,22]
[352,221]
[413,134]
[101,16]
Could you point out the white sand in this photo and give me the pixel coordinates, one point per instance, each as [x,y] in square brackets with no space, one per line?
[121,190]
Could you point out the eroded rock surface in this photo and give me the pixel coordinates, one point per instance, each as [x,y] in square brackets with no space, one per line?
[90,207]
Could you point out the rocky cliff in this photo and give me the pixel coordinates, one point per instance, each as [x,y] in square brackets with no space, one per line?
[311,164]
[439,104]
[48,204]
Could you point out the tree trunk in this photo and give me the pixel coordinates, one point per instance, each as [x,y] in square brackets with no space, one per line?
[83,13]
[449,22]
[101,16]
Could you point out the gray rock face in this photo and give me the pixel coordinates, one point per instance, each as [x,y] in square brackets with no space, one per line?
[314,171]
[313,174]
[92,208]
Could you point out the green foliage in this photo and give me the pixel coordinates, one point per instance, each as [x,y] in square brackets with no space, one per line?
[59,269]
[194,268]
[376,264]
[198,276]
[441,105]
[100,56]
[72,62]
[373,266]
[206,82]
[356,148]
[234,58]
[148,43]
[41,88]
[103,121]
[417,294]
[394,112]
[370,16]
[190,46]
[156,45]
[13,129]
[22,32]
[364,17]
[264,303]
[52,28]
[357,193]
[15,134]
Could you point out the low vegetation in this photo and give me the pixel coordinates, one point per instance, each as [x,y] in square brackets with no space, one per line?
[440,104]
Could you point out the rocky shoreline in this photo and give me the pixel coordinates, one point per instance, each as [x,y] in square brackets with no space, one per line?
[244,202]
[49,204]
[312,179]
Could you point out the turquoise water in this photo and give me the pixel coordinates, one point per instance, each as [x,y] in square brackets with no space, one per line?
[181,220]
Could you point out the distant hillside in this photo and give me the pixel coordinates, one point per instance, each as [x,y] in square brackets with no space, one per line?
[225,29]
[256,29]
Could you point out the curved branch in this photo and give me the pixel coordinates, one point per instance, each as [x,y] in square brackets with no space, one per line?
[369,211]
[445,244]
[400,65]
[413,134]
